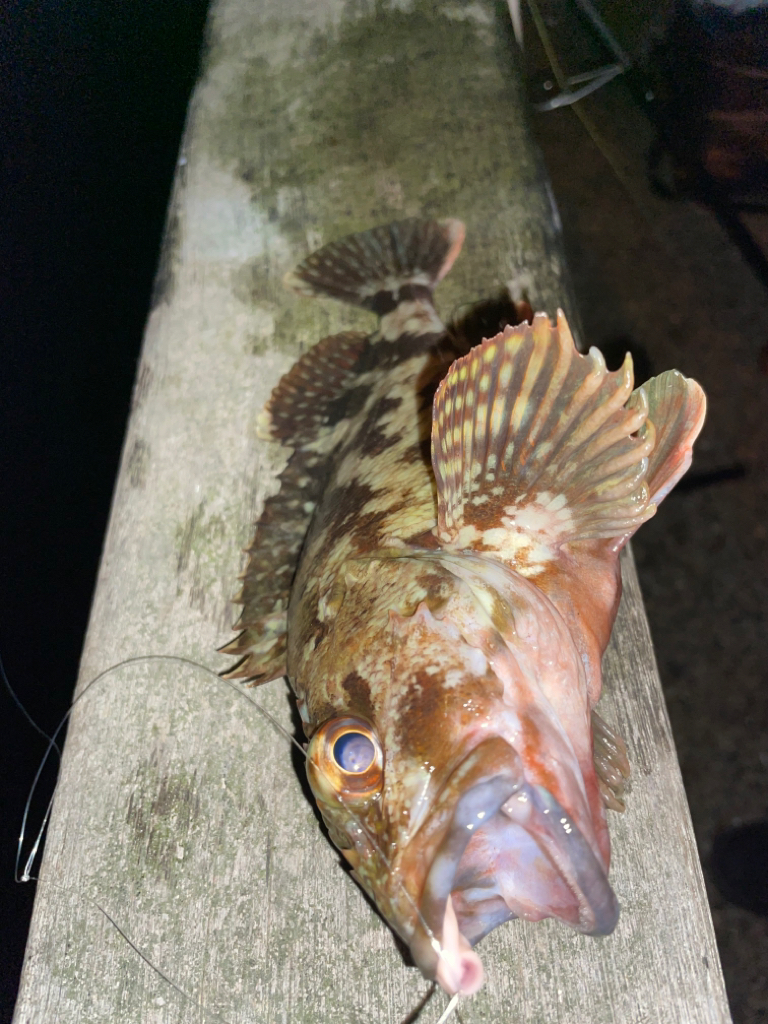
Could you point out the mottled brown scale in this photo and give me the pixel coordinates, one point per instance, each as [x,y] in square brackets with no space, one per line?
[436,587]
[441,564]
[424,703]
[358,695]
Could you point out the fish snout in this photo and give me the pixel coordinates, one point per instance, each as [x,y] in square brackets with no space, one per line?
[498,846]
[474,793]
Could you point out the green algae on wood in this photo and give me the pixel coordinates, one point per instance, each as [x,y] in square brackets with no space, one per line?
[398,110]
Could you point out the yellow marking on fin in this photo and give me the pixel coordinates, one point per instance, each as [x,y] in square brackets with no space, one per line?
[567,459]
[535,364]
[497,415]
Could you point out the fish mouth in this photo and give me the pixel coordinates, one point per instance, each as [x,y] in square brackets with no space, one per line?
[487,803]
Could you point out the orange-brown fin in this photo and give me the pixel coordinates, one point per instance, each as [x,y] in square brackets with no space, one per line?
[378,268]
[611,762]
[676,407]
[533,447]
[308,411]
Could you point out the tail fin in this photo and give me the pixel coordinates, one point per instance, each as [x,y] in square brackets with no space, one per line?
[379,268]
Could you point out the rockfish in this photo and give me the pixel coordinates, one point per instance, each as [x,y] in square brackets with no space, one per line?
[438,577]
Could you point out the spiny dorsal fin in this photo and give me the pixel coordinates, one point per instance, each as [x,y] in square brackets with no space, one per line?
[377,269]
[533,447]
[314,395]
[308,410]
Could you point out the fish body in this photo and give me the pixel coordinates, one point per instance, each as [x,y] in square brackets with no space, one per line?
[438,577]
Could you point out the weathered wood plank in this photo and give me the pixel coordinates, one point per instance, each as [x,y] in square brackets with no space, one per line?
[180,809]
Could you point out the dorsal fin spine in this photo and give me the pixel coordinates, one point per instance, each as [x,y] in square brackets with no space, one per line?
[545,407]
[533,439]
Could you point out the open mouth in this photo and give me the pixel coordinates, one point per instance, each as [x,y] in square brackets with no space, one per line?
[509,849]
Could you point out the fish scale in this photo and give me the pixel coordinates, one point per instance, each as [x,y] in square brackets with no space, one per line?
[438,577]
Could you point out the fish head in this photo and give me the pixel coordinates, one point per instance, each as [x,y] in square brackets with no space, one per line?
[446,762]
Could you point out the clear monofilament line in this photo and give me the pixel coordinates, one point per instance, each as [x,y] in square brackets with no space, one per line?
[26,875]
[450,1009]
[212,1015]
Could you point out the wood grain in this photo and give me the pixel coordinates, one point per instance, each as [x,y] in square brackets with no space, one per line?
[180,810]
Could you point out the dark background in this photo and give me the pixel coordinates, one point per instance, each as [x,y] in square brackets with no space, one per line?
[92,105]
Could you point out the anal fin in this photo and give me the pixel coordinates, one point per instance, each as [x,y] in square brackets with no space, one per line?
[308,411]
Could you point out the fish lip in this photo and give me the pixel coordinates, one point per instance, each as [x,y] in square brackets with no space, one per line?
[477,789]
[556,833]
[485,783]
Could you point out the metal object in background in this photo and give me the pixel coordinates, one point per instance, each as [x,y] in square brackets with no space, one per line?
[591,80]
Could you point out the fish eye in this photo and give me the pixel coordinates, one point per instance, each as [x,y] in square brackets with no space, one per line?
[345,753]
[353,752]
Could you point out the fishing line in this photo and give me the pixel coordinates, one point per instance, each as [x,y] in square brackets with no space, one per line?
[26,874]
[214,1015]
[449,1009]
[14,697]
[210,1014]
[415,1013]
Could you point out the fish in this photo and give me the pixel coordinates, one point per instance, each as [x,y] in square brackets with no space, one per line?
[438,576]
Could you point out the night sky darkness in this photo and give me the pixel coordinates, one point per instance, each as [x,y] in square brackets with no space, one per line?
[92,104]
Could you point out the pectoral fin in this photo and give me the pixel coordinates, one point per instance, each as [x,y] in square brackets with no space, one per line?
[676,407]
[533,447]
